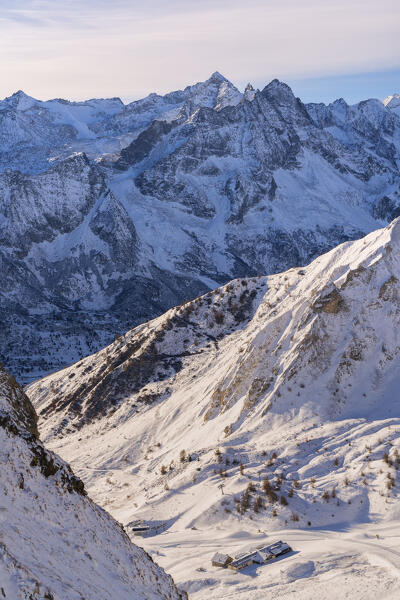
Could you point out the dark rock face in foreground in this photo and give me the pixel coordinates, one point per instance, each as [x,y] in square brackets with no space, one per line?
[55,542]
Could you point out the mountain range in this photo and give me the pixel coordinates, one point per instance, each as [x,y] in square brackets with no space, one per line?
[110,214]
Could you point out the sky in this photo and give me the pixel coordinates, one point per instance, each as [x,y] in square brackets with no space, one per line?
[80,49]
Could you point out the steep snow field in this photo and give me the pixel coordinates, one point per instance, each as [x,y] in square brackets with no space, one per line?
[55,543]
[282,389]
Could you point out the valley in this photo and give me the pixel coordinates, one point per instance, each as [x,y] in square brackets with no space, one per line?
[199,300]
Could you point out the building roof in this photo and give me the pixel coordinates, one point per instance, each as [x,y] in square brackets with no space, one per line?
[278,547]
[244,559]
[258,555]
[263,555]
[221,558]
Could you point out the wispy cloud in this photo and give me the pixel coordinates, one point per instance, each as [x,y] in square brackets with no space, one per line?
[81,48]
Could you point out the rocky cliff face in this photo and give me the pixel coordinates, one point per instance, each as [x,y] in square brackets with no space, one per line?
[111,214]
[55,543]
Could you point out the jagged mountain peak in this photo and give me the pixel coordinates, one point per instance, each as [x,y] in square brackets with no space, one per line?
[340,102]
[249,92]
[393,103]
[18,94]
[216,92]
[278,90]
[393,98]
[217,77]
[20,101]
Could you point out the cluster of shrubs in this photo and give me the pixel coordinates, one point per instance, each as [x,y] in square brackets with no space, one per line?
[271,492]
[392,461]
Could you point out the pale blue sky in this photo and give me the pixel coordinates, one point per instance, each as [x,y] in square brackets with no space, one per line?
[84,48]
[354,87]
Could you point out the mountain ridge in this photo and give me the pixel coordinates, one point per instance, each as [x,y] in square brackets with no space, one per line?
[293,375]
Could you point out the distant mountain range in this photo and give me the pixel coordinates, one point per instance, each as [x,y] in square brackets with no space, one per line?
[110,214]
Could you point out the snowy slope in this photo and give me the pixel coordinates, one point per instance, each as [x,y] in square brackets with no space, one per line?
[34,133]
[291,379]
[116,213]
[55,543]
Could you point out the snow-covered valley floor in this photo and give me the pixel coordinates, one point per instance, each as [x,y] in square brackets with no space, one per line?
[357,556]
[360,563]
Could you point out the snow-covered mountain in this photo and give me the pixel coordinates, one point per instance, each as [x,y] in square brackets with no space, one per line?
[55,543]
[284,390]
[295,376]
[35,133]
[111,214]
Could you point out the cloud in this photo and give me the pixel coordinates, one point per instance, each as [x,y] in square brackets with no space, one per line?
[82,48]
